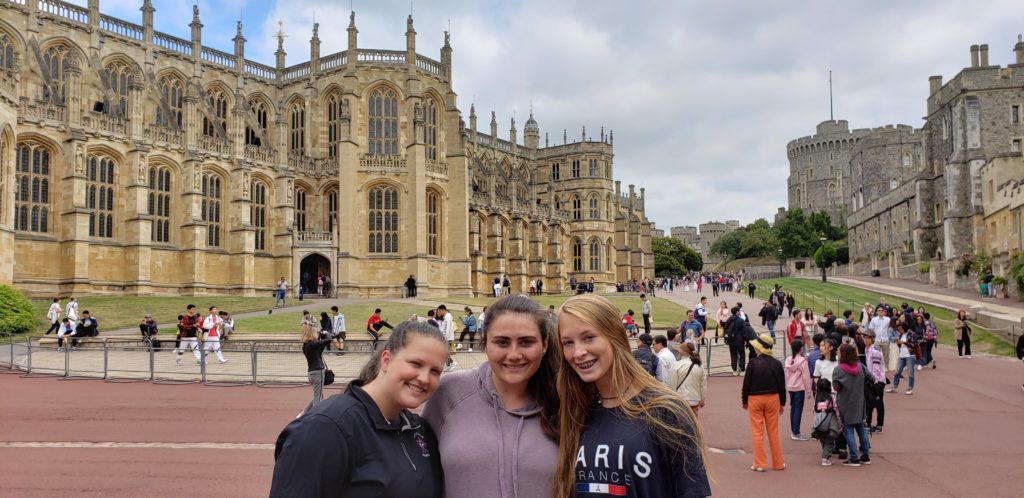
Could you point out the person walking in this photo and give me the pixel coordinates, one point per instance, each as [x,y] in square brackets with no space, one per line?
[53,314]
[931,338]
[688,377]
[880,325]
[796,328]
[313,346]
[736,332]
[764,398]
[721,316]
[798,384]
[72,310]
[961,329]
[875,392]
[848,381]
[646,312]
[489,418]
[907,357]
[211,334]
[768,316]
[366,441]
[190,325]
[282,291]
[608,401]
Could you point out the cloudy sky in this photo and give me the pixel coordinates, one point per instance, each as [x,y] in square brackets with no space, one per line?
[703,96]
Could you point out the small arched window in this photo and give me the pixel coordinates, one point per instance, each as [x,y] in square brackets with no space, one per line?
[555,173]
[332,209]
[211,192]
[595,255]
[833,194]
[160,203]
[300,209]
[577,208]
[116,76]
[7,55]
[431,129]
[172,92]
[383,122]
[575,168]
[99,195]
[258,214]
[433,223]
[297,137]
[577,255]
[383,220]
[32,188]
[595,210]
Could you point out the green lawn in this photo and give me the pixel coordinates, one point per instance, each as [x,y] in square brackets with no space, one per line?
[666,313]
[118,312]
[355,317]
[836,297]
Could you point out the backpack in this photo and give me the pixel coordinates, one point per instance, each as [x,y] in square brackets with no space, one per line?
[930,332]
[648,361]
[826,424]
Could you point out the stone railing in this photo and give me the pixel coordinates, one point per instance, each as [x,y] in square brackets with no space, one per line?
[481,198]
[382,56]
[104,122]
[259,154]
[166,135]
[367,161]
[260,70]
[301,163]
[39,111]
[217,145]
[502,203]
[334,61]
[439,167]
[295,72]
[217,57]
[65,10]
[314,238]
[429,65]
[122,28]
[172,43]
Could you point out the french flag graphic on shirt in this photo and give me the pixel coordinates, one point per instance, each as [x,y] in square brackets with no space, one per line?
[600,488]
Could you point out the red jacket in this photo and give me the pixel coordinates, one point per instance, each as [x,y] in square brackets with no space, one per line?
[791,331]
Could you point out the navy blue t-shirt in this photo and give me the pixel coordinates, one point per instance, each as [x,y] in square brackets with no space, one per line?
[619,456]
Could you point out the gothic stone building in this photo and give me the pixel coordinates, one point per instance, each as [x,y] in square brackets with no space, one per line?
[134,161]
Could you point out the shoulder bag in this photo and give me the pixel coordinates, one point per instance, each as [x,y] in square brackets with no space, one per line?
[328,373]
[685,376]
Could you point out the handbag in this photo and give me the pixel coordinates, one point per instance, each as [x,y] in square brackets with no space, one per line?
[328,377]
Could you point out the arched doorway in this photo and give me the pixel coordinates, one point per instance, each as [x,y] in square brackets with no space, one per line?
[310,268]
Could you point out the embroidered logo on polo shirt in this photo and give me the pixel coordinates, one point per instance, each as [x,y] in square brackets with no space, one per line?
[423,445]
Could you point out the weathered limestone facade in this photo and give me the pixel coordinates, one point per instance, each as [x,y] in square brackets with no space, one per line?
[819,170]
[133,161]
[961,196]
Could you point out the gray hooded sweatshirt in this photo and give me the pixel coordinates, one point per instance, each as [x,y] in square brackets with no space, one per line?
[486,450]
[850,392]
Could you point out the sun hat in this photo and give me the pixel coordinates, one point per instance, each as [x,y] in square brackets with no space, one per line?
[763,344]
[868,333]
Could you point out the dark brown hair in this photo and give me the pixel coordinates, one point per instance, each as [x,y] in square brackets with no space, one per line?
[848,354]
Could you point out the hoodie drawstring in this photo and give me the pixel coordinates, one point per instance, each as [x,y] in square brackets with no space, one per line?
[501,444]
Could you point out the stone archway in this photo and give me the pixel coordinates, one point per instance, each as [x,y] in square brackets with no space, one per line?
[310,268]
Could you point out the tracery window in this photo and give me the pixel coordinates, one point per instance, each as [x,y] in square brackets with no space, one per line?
[593,167]
[56,61]
[211,191]
[32,189]
[297,137]
[332,209]
[555,173]
[595,211]
[160,203]
[577,208]
[218,109]
[577,255]
[300,209]
[433,223]
[383,122]
[116,75]
[258,214]
[595,255]
[333,124]
[383,220]
[172,91]
[575,168]
[7,57]
[431,129]
[99,195]
[832,194]
[260,112]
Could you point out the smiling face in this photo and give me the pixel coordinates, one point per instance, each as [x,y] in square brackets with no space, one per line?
[410,375]
[587,351]
[515,349]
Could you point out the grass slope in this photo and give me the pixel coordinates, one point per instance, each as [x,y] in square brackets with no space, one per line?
[837,297]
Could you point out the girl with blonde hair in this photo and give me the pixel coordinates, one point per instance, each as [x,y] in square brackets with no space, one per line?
[621,431]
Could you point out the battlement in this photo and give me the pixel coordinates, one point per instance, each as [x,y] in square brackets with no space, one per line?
[980,75]
[828,134]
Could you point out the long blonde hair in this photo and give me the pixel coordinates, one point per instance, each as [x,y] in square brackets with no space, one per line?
[309,332]
[668,416]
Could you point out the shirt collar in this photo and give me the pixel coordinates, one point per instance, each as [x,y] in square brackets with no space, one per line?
[405,422]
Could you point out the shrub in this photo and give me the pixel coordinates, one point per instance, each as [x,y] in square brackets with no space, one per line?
[16,313]
[964,264]
[999,280]
[924,267]
[1017,272]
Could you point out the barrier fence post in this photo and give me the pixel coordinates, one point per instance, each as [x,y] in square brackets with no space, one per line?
[67,359]
[252,354]
[106,361]
[28,349]
[202,362]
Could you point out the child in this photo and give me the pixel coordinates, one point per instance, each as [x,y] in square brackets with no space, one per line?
[875,393]
[629,324]
[823,404]
[798,383]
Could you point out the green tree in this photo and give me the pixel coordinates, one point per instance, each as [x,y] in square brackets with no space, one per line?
[692,260]
[824,256]
[795,235]
[669,254]
[729,245]
[15,312]
[758,242]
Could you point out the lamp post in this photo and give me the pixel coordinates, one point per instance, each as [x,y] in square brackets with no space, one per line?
[780,264]
[823,278]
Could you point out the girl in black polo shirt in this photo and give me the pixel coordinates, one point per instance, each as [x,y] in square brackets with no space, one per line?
[366,442]
[623,433]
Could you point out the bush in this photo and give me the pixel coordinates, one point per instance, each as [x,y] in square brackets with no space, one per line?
[999,280]
[924,267]
[15,312]
[1017,272]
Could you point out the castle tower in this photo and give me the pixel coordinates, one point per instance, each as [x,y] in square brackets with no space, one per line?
[531,133]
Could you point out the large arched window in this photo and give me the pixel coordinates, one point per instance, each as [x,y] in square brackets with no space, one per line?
[300,209]
[593,167]
[431,129]
[577,255]
[297,134]
[258,214]
[260,111]
[334,114]
[609,253]
[160,203]
[577,208]
[433,223]
[475,227]
[116,75]
[7,55]
[99,195]
[383,220]
[32,190]
[56,61]
[832,194]
[332,209]
[499,239]
[383,121]
[594,205]
[218,109]
[211,190]
[595,255]
[172,91]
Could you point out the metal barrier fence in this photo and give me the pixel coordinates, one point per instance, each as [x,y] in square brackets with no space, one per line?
[263,363]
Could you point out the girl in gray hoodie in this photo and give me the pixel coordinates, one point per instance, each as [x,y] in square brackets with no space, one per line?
[497,424]
[848,381]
